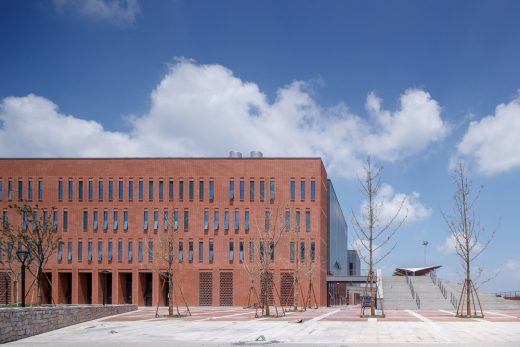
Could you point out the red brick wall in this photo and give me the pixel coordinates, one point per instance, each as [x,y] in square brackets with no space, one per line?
[220,170]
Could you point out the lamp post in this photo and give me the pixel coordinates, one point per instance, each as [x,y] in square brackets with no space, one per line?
[425,244]
[22,256]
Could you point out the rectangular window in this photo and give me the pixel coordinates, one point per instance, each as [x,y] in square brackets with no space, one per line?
[155,220]
[241,251]
[145,220]
[60,250]
[231,250]
[251,190]
[130,190]
[166,221]
[206,219]
[181,190]
[60,190]
[215,220]
[237,220]
[181,251]
[313,190]
[201,251]
[150,190]
[267,220]
[105,221]
[89,251]
[30,190]
[211,190]
[297,220]
[287,220]
[186,220]
[190,251]
[110,190]
[261,250]
[125,220]
[293,190]
[109,255]
[292,251]
[45,219]
[226,220]
[307,220]
[116,220]
[120,250]
[161,190]
[271,250]
[211,253]
[80,190]
[246,220]
[262,190]
[65,220]
[302,190]
[231,190]
[201,190]
[95,221]
[20,190]
[80,250]
[10,190]
[150,251]
[100,250]
[175,220]
[40,190]
[90,190]
[120,190]
[251,251]
[242,190]
[272,190]
[100,190]
[130,250]
[1,191]
[141,190]
[170,190]
[191,190]
[85,220]
[71,190]
[302,250]
[313,250]
[54,220]
[140,251]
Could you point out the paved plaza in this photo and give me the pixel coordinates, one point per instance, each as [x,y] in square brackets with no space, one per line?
[328,326]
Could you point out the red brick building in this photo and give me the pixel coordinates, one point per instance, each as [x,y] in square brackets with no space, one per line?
[111,213]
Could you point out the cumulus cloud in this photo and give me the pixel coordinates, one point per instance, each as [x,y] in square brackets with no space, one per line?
[119,12]
[512,269]
[204,110]
[493,141]
[388,202]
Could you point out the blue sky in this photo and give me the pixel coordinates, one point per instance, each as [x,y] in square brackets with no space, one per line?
[416,84]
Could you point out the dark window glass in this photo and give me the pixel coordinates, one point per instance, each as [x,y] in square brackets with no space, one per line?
[297,220]
[181,251]
[130,250]
[181,190]
[120,250]
[210,253]
[186,220]
[110,190]
[262,190]
[145,220]
[80,190]
[90,190]
[120,190]
[246,220]
[30,190]
[20,190]
[242,190]
[201,190]
[60,190]
[40,190]
[100,190]
[130,190]
[161,190]
[150,250]
[71,190]
[125,220]
[292,251]
[241,251]
[190,251]
[302,190]
[251,190]
[313,190]
[293,190]
[140,251]
[109,253]
[150,190]
[211,190]
[206,220]
[226,220]
[287,220]
[302,250]
[95,227]
[170,190]
[191,190]
[272,190]
[231,250]
[201,251]
[231,190]
[85,220]
[141,188]
[100,250]
[80,250]
[237,220]
[215,220]
[89,255]
[307,220]
[65,220]
[251,251]
[313,251]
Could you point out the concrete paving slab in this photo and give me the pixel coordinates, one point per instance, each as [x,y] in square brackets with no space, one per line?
[322,327]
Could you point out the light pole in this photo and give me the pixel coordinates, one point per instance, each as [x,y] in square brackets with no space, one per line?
[425,244]
[22,256]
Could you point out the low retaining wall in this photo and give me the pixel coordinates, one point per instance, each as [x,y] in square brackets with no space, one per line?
[17,323]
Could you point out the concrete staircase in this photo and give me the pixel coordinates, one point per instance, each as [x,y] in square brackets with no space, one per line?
[397,295]
[487,300]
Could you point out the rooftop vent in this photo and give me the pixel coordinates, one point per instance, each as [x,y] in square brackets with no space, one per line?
[235,154]
[256,154]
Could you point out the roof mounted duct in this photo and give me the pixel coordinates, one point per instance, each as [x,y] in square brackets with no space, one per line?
[256,154]
[235,154]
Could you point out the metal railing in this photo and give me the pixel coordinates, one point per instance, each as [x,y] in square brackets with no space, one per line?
[415,295]
[510,294]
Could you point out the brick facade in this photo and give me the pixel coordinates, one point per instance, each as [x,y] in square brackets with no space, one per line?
[206,189]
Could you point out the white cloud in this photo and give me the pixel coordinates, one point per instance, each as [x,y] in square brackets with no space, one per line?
[204,110]
[450,246]
[512,269]
[388,202]
[494,141]
[119,12]
[408,130]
